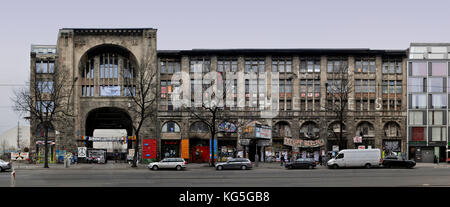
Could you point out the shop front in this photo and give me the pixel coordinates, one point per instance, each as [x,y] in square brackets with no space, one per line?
[170,148]
[363,142]
[307,148]
[199,150]
[40,151]
[391,146]
[277,149]
[226,149]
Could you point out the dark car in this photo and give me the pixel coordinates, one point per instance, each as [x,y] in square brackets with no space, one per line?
[302,163]
[236,163]
[392,161]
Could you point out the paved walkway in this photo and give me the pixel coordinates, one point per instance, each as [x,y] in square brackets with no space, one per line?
[273,165]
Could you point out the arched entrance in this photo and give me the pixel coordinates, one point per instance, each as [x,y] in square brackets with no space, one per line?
[107,126]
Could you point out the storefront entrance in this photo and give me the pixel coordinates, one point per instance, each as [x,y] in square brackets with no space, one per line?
[113,124]
[170,148]
[199,150]
[226,149]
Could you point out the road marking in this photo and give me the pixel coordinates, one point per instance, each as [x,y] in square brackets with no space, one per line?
[425,184]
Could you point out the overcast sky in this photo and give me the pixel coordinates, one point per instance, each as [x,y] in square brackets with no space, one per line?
[381,24]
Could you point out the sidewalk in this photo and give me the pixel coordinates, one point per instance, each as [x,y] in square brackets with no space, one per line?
[23,166]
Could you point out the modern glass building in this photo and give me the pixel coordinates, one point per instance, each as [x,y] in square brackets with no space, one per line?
[428,92]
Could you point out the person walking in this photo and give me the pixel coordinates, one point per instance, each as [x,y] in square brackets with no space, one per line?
[282,160]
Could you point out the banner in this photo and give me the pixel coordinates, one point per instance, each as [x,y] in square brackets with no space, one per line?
[185,149]
[82,151]
[357,139]
[304,143]
[19,155]
[215,149]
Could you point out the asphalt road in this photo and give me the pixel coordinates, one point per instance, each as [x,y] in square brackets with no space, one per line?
[208,177]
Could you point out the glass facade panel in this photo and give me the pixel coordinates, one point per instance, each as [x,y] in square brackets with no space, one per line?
[419,101]
[438,69]
[436,84]
[419,69]
[416,118]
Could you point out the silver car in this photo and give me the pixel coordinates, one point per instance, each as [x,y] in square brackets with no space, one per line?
[236,163]
[4,165]
[170,163]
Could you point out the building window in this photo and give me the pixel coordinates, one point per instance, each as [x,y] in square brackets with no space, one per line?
[436,84]
[438,134]
[310,65]
[418,133]
[365,66]
[438,69]
[418,101]
[416,84]
[169,66]
[438,101]
[255,65]
[337,66]
[282,65]
[44,86]
[200,65]
[436,118]
[170,127]
[167,88]
[45,66]
[418,69]
[416,118]
[392,66]
[225,64]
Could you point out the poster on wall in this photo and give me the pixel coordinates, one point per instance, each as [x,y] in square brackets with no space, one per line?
[185,149]
[215,149]
[335,148]
[82,151]
[19,155]
[149,149]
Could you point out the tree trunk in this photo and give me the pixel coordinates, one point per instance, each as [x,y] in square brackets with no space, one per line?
[46,146]
[135,157]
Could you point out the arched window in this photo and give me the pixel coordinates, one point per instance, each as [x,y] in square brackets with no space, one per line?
[40,131]
[108,71]
[170,127]
[199,127]
[365,129]
[309,130]
[281,129]
[392,129]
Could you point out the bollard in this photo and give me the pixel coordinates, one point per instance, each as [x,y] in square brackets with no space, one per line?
[13,178]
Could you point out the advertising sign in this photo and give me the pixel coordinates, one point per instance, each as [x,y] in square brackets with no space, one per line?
[304,143]
[215,149]
[244,142]
[82,151]
[149,149]
[19,155]
[361,147]
[357,139]
[185,149]
[335,148]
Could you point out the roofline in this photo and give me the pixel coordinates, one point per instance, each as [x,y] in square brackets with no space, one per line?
[254,51]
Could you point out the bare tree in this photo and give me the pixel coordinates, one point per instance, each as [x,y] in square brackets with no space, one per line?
[143,91]
[46,101]
[338,91]
[211,111]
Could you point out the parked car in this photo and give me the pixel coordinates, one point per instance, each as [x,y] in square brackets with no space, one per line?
[235,163]
[4,165]
[397,161]
[301,163]
[356,158]
[169,163]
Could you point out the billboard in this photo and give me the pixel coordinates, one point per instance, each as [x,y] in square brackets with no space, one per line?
[19,155]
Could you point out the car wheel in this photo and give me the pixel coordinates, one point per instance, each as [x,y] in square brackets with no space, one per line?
[155,167]
[179,168]
[311,167]
[243,167]
[367,166]
[335,166]
[290,167]
[1,169]
[220,167]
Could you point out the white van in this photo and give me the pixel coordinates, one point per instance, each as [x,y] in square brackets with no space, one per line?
[356,158]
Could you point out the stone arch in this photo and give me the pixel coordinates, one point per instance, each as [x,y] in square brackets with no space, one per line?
[282,129]
[105,117]
[107,65]
[310,130]
[392,129]
[166,125]
[365,129]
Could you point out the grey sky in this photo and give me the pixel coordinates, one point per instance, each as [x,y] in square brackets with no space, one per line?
[182,24]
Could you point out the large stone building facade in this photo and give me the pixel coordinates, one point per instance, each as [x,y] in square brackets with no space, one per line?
[100,59]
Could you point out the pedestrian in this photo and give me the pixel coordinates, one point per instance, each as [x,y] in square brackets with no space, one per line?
[282,160]
[320,159]
[256,160]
